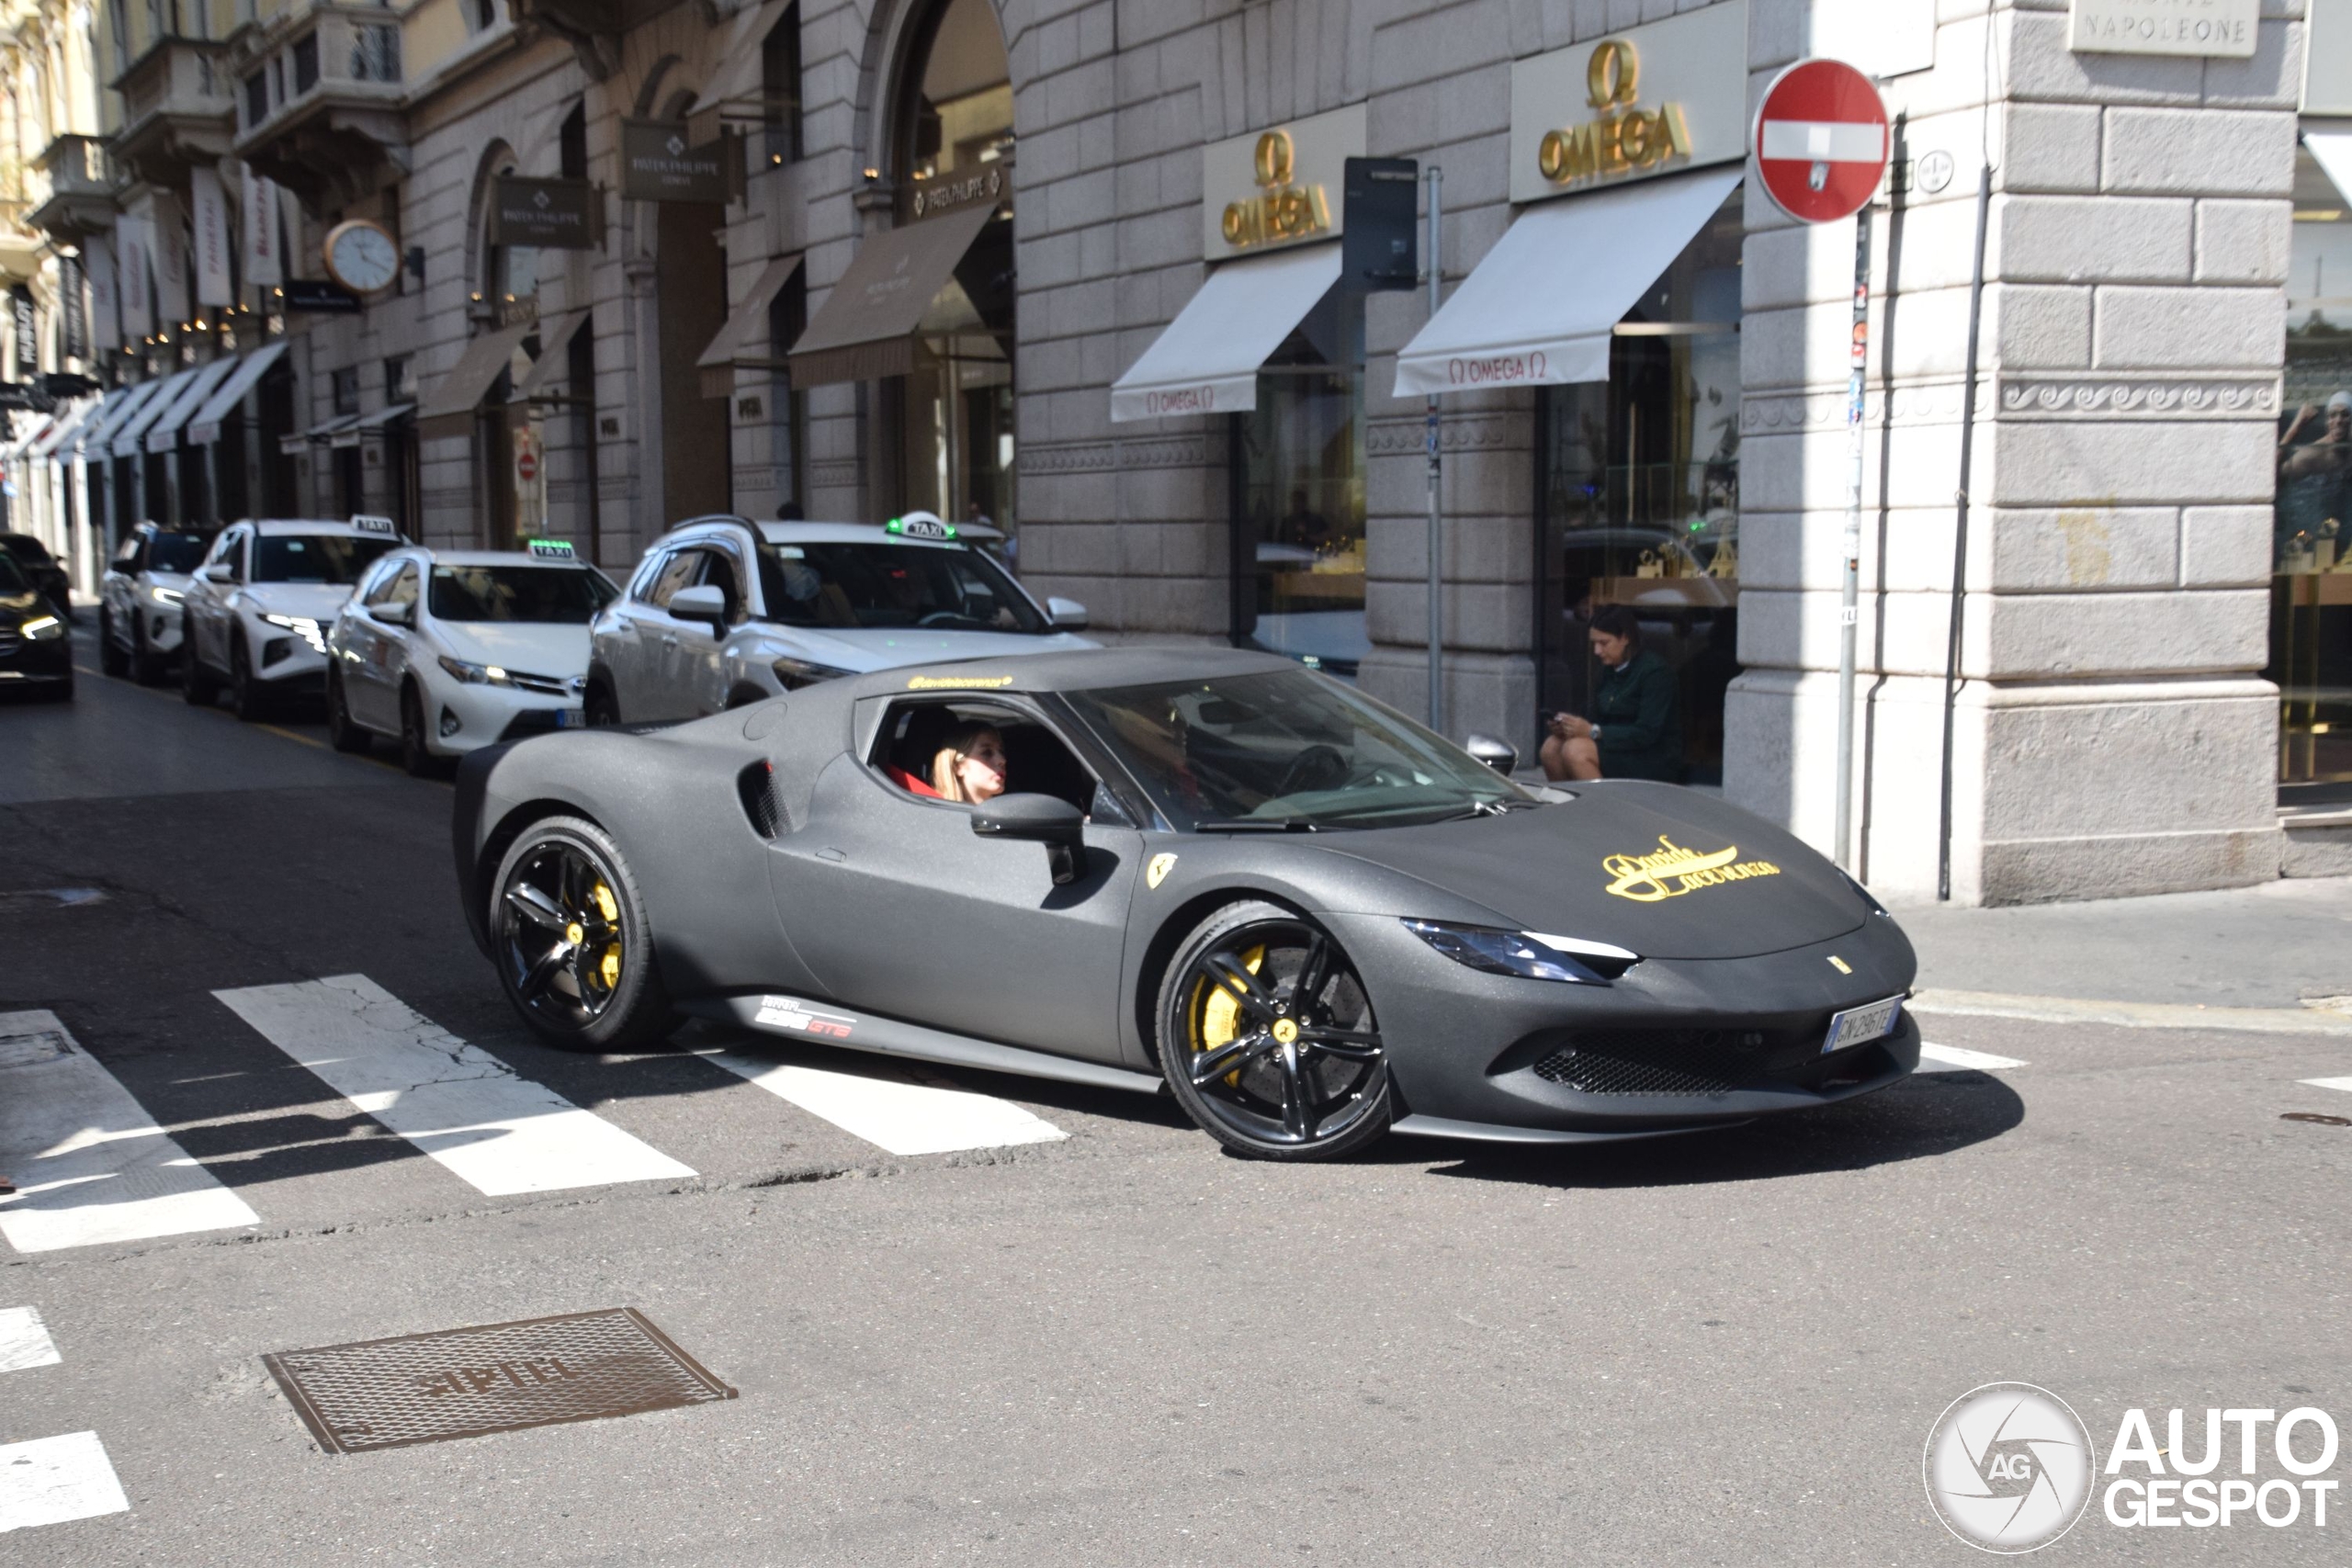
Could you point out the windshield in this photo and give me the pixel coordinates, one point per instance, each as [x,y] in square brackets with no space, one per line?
[337,559]
[12,580]
[24,546]
[1287,748]
[546,596]
[946,587]
[176,552]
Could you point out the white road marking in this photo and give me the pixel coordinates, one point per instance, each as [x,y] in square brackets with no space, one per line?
[888,1108]
[25,1341]
[2344,1084]
[91,1166]
[499,1132]
[51,1479]
[1961,1056]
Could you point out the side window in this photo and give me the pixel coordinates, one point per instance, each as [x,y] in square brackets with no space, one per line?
[379,589]
[723,570]
[1037,761]
[404,588]
[677,573]
[127,558]
[231,553]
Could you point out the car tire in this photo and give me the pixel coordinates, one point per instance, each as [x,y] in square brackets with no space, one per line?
[580,992]
[599,708]
[146,664]
[246,697]
[1309,1078]
[416,755]
[111,659]
[197,688]
[341,733]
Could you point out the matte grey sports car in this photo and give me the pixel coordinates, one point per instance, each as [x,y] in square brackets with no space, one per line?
[1309,919]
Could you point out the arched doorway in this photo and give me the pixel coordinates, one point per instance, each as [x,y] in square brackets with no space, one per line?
[950,419]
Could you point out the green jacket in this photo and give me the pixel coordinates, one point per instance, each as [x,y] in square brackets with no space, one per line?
[1640,720]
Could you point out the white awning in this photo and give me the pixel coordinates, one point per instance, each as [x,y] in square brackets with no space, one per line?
[747,320]
[2333,150]
[34,430]
[449,409]
[165,434]
[205,428]
[323,434]
[120,405]
[1207,360]
[1540,307]
[62,433]
[132,431]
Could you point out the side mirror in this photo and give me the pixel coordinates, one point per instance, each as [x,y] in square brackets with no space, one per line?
[1045,820]
[220,571]
[393,614]
[703,602]
[1499,755]
[1067,615]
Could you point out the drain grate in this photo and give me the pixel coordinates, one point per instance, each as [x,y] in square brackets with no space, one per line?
[465,1382]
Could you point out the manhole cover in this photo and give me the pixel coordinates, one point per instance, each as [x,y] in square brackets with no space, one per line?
[464,1382]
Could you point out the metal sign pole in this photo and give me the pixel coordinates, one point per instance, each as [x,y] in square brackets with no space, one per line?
[1850,605]
[1436,177]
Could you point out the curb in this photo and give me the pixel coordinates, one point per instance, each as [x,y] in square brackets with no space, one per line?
[2133,1015]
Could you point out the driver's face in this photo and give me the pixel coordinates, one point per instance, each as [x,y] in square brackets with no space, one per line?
[981,770]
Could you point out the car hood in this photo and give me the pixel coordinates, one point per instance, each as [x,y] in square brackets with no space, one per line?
[317,600]
[1668,873]
[860,648]
[534,648]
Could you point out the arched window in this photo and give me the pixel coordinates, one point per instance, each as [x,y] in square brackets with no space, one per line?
[955,107]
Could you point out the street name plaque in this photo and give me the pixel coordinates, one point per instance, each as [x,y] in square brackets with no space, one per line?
[468,1383]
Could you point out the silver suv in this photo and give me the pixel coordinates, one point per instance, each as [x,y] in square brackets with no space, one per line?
[724,610]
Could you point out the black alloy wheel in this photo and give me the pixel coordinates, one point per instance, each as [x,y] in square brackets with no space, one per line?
[146,664]
[1268,1039]
[571,936]
[341,733]
[416,755]
[111,659]
[246,697]
[197,688]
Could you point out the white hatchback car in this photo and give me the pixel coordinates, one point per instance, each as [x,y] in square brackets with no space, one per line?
[257,610]
[724,610]
[140,599]
[452,650]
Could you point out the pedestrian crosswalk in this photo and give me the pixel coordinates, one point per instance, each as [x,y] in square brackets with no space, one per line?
[93,1167]
[49,1480]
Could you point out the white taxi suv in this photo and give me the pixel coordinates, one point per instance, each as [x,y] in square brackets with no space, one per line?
[140,600]
[257,613]
[450,650]
[724,610]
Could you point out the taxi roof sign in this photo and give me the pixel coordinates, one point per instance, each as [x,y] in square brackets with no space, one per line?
[553,549]
[920,526]
[369,524]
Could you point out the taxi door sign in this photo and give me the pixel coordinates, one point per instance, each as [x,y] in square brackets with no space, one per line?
[1820,140]
[376,525]
[552,549]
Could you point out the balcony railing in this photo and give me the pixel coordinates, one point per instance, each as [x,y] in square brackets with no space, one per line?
[319,98]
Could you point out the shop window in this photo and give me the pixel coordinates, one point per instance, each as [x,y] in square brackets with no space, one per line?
[1299,520]
[1638,482]
[780,90]
[2311,583]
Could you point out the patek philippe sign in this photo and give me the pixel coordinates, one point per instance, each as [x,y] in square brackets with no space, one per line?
[991,185]
[657,165]
[1648,101]
[551,214]
[1278,186]
[2220,27]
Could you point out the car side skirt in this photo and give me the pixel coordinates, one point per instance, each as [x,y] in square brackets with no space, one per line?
[829,1023]
[1495,1132]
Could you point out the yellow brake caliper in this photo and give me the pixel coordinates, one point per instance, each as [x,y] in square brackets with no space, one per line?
[1221,1014]
[610,967]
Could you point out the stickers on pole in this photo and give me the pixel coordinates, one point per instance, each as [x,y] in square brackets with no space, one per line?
[1822,141]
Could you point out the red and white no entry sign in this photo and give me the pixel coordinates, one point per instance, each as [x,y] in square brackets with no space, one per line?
[1820,140]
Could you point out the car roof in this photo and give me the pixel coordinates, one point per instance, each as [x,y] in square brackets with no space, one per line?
[1079,670]
[274,526]
[489,558]
[776,532]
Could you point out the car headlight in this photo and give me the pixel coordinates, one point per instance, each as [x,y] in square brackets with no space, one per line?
[165,596]
[1530,955]
[794,672]
[1864,893]
[43,628]
[475,674]
[303,628]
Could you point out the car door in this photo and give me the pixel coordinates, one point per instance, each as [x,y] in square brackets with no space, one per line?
[120,589]
[372,687]
[636,655]
[695,651]
[212,620]
[902,911]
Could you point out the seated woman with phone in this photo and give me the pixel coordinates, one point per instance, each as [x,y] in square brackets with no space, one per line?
[1636,730]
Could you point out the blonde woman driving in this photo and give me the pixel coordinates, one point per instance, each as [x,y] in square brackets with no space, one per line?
[970,765]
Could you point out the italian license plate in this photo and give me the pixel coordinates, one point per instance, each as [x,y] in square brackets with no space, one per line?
[571,718]
[1857,1026]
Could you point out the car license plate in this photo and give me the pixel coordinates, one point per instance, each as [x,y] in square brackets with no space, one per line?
[571,718]
[1857,1026]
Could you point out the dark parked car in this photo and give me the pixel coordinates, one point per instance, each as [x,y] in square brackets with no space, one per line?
[36,656]
[32,558]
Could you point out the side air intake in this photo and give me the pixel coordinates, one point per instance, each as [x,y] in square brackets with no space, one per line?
[755,786]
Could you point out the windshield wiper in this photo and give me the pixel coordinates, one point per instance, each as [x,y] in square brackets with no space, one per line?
[1495,807]
[1266,824]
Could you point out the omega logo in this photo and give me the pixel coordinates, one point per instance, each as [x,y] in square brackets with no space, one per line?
[1615,74]
[1619,139]
[1280,210]
[1274,158]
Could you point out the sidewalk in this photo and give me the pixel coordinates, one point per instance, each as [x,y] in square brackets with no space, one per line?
[2269,948]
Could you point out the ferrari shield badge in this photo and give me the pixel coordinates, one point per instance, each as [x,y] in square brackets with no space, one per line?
[1671,871]
[1157,871]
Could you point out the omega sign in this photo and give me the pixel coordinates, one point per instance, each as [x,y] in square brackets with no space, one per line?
[1280,210]
[1282,186]
[1648,101]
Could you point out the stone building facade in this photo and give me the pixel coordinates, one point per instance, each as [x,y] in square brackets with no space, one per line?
[1053,183]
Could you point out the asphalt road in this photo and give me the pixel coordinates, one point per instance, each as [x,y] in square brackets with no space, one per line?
[1116,1346]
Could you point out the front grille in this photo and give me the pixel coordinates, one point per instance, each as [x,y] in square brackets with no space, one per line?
[545,685]
[9,640]
[1677,1061]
